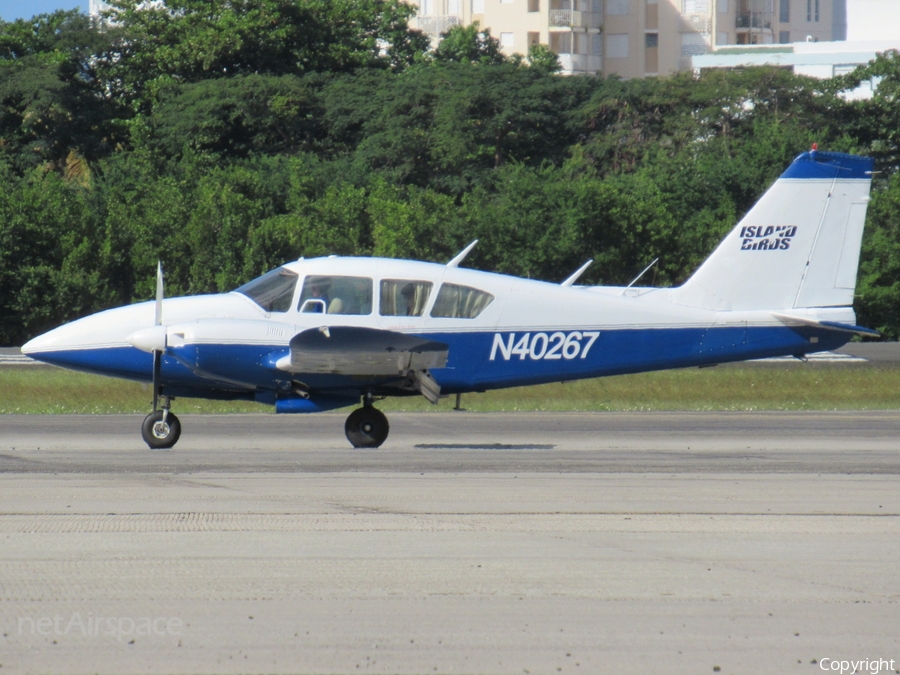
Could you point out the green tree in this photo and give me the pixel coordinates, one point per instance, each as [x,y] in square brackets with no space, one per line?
[542,57]
[49,265]
[237,116]
[468,44]
[193,40]
[875,121]
[52,102]
[878,285]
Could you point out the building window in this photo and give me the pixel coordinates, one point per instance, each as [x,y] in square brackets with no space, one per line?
[534,38]
[694,6]
[785,13]
[617,7]
[784,37]
[425,7]
[812,10]
[534,5]
[561,43]
[507,40]
[617,46]
[651,40]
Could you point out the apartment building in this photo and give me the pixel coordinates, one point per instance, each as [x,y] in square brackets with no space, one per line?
[631,38]
[635,38]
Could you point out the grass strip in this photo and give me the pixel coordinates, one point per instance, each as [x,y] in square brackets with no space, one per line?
[41,390]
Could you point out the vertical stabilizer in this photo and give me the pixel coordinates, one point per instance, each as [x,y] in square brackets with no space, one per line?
[797,247]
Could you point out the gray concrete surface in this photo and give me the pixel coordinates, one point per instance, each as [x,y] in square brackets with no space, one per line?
[493,543]
[876,352]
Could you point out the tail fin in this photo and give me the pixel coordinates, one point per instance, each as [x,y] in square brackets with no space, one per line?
[797,247]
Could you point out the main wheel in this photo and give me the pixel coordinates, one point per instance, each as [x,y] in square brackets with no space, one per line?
[158,434]
[366,428]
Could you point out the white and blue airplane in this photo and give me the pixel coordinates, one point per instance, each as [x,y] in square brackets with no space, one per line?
[324,333]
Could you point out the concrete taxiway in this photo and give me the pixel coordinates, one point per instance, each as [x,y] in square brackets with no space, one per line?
[470,543]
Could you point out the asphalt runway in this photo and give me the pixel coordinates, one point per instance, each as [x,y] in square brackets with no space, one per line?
[470,543]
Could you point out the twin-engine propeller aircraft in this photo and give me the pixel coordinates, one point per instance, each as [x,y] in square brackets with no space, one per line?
[325,333]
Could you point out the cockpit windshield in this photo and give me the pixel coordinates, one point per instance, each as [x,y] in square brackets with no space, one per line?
[273,291]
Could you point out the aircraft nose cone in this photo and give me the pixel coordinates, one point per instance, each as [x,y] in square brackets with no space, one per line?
[151,339]
[35,346]
[32,346]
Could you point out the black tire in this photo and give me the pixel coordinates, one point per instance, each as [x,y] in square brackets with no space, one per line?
[159,435]
[366,428]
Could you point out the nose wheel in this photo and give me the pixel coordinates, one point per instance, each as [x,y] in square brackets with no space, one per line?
[161,429]
[366,427]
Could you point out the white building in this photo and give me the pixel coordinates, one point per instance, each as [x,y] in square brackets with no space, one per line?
[813,59]
[97,6]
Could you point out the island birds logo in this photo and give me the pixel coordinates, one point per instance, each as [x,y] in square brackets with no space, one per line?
[767,237]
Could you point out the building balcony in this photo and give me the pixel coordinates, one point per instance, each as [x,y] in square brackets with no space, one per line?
[696,23]
[438,24]
[753,20]
[571,18]
[580,63]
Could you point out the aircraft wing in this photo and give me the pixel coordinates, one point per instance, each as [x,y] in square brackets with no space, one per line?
[358,351]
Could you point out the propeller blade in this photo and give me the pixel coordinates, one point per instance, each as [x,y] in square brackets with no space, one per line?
[157,355]
[159,293]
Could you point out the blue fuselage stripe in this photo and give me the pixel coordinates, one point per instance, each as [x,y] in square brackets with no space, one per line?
[477,360]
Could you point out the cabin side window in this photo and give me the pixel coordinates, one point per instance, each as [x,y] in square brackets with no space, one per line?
[460,302]
[273,291]
[336,295]
[402,297]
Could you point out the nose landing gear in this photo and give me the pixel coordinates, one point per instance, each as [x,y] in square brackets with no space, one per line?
[161,429]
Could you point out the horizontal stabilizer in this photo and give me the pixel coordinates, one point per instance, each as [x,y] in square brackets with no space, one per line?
[351,350]
[827,325]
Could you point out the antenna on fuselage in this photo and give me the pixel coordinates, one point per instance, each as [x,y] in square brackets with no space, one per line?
[572,279]
[462,255]
[637,278]
[159,293]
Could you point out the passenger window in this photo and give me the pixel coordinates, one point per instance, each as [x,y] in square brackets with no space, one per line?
[272,291]
[336,295]
[401,297]
[460,302]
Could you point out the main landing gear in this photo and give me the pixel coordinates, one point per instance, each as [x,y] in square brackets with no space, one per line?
[161,428]
[367,427]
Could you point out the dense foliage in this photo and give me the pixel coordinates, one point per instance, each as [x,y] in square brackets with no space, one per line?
[225,137]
